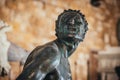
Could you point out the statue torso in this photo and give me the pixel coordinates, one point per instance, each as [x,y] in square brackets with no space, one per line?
[62,71]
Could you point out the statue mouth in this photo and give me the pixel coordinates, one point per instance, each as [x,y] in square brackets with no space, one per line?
[74,33]
[72,30]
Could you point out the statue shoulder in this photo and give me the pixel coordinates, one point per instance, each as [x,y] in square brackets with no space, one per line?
[47,57]
[48,50]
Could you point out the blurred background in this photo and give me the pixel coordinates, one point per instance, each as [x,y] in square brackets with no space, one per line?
[33,23]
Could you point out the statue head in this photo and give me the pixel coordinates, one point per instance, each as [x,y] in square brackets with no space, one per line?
[71,24]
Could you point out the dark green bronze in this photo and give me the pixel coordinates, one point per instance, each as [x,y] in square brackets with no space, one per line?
[50,61]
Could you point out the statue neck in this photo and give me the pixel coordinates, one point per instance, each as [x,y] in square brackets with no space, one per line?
[70,45]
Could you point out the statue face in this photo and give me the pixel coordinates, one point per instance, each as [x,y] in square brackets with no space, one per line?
[72,26]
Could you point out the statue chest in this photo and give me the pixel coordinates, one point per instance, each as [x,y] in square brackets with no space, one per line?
[62,71]
[64,68]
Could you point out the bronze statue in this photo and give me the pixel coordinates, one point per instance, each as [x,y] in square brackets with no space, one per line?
[50,61]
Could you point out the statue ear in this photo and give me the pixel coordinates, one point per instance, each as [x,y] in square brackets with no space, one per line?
[56,27]
[57,24]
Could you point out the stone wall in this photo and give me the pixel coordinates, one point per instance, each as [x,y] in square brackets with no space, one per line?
[33,24]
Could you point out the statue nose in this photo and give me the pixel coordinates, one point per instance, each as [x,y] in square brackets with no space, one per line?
[71,22]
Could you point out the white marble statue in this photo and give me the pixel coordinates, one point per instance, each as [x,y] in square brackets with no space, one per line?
[4,45]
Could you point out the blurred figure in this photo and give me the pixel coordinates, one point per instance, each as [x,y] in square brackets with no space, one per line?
[4,45]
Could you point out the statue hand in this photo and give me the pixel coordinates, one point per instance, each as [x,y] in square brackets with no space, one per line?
[4,69]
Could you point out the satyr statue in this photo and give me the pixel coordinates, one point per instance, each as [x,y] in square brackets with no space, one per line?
[50,61]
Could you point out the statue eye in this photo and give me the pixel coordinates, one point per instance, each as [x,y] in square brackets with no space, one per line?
[79,23]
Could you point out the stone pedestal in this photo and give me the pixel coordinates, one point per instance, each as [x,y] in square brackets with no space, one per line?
[107,61]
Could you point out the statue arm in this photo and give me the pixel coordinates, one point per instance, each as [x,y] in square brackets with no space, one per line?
[44,60]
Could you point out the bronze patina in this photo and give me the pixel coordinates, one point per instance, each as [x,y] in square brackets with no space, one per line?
[50,61]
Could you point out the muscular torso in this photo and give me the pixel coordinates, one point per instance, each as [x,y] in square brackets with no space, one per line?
[62,71]
[52,60]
